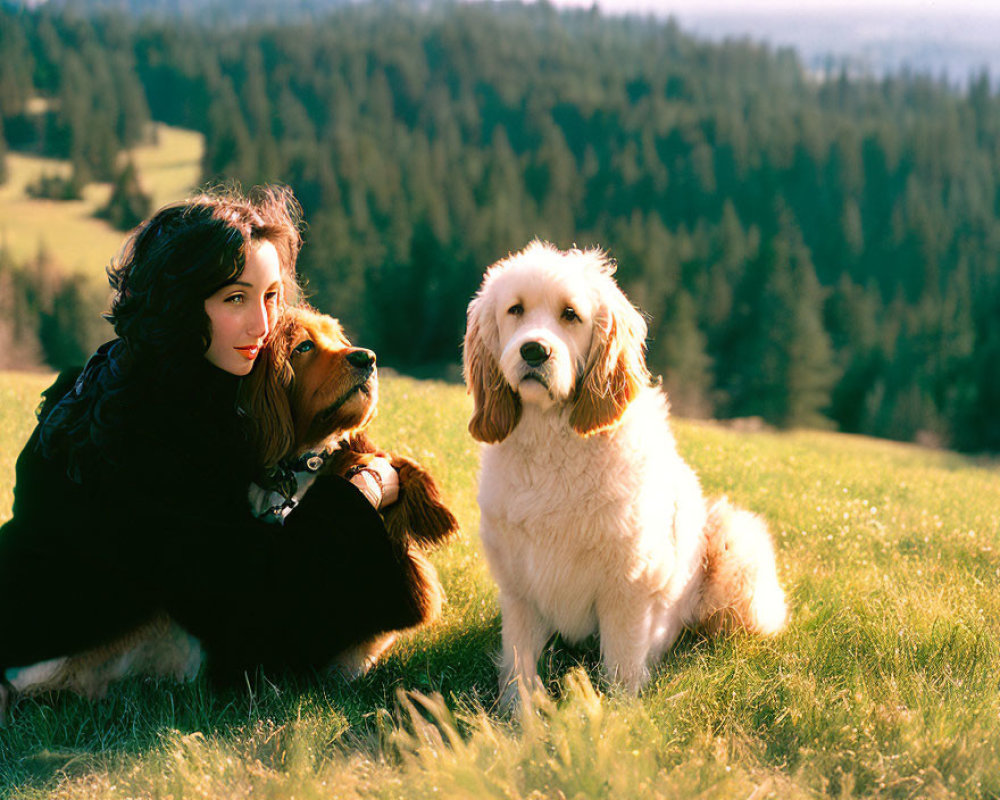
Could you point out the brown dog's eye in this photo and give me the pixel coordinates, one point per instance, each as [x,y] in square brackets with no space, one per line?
[305,347]
[569,314]
[517,309]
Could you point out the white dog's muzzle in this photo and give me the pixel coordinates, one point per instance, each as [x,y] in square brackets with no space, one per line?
[538,366]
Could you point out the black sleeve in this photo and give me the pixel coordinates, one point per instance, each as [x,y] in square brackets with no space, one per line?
[63,586]
[289,596]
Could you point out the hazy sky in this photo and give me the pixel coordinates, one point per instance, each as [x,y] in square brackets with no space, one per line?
[952,38]
[682,7]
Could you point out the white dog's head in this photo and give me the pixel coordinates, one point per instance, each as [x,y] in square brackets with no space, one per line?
[549,327]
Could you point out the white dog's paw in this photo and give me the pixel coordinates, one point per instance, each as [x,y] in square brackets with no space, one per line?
[510,697]
[628,679]
[516,694]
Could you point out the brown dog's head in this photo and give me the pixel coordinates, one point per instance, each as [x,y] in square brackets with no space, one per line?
[311,385]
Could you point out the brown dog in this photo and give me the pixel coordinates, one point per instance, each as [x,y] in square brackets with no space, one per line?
[313,396]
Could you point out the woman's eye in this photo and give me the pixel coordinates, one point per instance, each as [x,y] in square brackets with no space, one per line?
[271,297]
[305,347]
[235,298]
[569,314]
[517,309]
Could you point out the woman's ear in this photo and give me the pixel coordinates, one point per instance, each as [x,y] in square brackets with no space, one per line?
[264,398]
[616,367]
[497,408]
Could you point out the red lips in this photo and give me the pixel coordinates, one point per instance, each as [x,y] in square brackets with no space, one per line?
[250,352]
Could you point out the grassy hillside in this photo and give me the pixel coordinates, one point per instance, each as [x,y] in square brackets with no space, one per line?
[169,168]
[884,684]
[19,396]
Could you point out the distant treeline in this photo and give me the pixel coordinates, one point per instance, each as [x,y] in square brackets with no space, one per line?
[808,251]
[46,316]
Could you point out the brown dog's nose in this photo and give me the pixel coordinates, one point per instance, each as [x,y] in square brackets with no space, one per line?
[361,358]
[535,353]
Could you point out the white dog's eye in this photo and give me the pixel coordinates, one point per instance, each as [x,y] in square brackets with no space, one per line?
[305,347]
[569,314]
[517,309]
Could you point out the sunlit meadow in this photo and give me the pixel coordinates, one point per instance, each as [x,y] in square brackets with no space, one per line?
[78,242]
[885,683]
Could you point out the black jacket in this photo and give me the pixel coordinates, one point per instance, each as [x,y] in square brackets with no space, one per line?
[167,527]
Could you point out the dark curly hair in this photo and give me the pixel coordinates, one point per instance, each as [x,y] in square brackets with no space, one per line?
[167,269]
[184,254]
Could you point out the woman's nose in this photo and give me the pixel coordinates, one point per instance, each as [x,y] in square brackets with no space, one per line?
[260,321]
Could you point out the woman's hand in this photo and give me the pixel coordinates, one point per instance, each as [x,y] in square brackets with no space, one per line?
[378,481]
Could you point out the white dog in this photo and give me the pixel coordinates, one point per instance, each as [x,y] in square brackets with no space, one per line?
[591,521]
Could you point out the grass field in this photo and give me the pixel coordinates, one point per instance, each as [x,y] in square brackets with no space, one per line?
[885,684]
[79,242]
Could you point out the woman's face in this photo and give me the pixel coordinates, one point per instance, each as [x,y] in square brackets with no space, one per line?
[242,313]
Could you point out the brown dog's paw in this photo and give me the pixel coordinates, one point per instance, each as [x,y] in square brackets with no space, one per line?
[343,461]
[419,512]
[357,451]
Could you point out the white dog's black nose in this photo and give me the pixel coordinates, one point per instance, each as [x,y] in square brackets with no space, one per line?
[535,353]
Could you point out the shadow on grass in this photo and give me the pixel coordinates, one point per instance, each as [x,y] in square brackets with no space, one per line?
[62,735]
[561,657]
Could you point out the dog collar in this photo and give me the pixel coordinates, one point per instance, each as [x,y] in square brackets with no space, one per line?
[283,480]
[312,461]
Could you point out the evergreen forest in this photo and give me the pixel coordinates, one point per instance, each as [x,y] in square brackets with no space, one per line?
[810,250]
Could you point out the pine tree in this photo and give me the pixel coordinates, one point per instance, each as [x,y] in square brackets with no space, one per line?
[779,362]
[254,94]
[71,328]
[333,267]
[810,372]
[229,151]
[133,115]
[852,316]
[732,248]
[975,421]
[3,154]
[681,348]
[19,347]
[128,204]
[550,178]
[15,55]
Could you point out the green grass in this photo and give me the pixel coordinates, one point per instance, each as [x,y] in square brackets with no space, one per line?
[884,685]
[20,394]
[169,168]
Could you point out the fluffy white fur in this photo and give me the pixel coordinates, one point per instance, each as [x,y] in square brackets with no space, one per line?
[591,521]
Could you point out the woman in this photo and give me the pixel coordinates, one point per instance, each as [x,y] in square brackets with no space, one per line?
[131,494]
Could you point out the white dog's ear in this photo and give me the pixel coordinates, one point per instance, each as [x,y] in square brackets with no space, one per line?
[497,408]
[616,367]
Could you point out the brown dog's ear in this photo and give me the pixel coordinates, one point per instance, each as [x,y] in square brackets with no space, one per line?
[497,408]
[264,398]
[616,367]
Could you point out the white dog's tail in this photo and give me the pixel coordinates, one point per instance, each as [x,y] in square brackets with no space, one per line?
[740,588]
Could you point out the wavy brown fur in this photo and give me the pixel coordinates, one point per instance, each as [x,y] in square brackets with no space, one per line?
[418,519]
